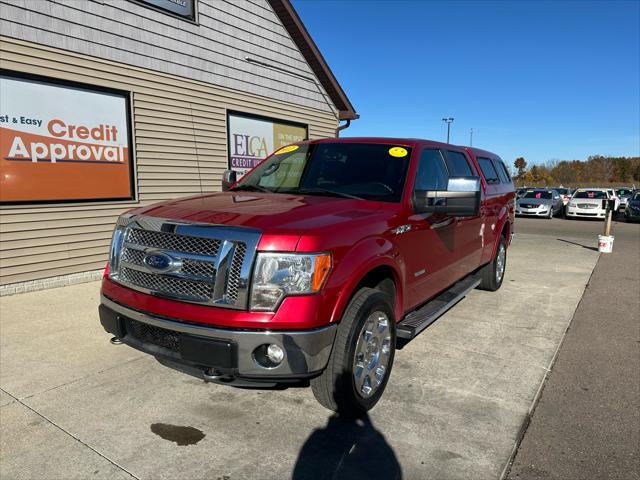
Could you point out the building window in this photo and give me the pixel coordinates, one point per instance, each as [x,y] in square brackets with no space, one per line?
[62,141]
[251,138]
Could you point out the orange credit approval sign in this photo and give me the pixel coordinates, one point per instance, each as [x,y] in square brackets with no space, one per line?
[62,143]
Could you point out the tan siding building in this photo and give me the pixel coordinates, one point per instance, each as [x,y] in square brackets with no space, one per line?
[181,79]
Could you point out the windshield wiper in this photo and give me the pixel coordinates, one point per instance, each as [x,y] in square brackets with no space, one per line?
[334,193]
[251,188]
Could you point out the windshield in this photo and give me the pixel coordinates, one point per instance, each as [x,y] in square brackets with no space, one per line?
[636,196]
[537,194]
[624,192]
[598,194]
[352,170]
[562,191]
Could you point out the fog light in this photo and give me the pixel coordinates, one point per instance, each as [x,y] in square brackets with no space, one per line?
[275,353]
[268,355]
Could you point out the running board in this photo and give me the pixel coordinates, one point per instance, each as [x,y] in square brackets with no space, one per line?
[413,323]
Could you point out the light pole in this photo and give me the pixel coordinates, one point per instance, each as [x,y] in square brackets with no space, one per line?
[448,121]
[471,138]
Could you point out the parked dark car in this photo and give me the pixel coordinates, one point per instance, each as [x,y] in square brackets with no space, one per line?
[565,193]
[539,202]
[632,212]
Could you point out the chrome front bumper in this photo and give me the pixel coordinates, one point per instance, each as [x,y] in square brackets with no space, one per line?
[306,352]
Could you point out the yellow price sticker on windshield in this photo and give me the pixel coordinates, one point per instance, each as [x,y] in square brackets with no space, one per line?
[287,149]
[398,152]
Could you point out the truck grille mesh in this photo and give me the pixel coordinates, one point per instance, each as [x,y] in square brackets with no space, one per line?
[131,255]
[154,335]
[177,243]
[170,286]
[234,272]
[197,268]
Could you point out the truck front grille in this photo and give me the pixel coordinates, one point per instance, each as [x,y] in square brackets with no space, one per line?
[178,243]
[206,264]
[169,286]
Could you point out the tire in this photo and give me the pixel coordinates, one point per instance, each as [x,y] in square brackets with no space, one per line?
[490,275]
[339,387]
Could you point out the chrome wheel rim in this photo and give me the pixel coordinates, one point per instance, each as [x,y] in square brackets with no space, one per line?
[500,263]
[371,358]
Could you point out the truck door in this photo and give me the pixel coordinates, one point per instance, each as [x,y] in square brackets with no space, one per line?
[470,232]
[429,244]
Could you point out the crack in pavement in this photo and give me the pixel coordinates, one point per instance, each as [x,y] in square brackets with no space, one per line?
[112,462]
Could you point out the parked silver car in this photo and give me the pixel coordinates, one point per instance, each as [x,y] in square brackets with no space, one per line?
[539,202]
[624,193]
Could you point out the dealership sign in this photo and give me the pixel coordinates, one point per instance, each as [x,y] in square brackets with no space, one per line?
[252,138]
[184,8]
[62,142]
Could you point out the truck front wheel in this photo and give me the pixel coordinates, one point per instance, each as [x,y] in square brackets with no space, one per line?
[362,356]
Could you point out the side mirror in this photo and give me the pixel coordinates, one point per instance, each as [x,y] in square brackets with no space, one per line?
[229,177]
[460,199]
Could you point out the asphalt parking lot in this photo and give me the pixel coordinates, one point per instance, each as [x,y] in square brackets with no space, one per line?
[74,406]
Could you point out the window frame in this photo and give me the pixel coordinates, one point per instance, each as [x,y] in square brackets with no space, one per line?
[493,180]
[443,162]
[465,156]
[499,165]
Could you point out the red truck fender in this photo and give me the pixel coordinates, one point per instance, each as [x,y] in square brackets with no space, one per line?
[365,257]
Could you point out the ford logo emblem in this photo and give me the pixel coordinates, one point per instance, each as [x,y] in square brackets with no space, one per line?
[161,262]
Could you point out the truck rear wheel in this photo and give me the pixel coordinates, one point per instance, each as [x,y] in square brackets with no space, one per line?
[492,274]
[361,358]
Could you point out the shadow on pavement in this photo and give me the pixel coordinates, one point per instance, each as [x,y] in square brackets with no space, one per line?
[347,448]
[595,249]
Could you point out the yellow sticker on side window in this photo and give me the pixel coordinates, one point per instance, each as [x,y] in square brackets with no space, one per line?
[287,149]
[398,152]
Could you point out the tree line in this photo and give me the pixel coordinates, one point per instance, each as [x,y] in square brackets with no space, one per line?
[596,170]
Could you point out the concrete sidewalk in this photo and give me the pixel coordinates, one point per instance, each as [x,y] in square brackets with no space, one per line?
[587,423]
[76,407]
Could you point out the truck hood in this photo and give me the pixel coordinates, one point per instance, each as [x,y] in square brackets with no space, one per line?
[283,215]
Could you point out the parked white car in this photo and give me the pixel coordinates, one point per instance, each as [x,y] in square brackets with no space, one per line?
[587,203]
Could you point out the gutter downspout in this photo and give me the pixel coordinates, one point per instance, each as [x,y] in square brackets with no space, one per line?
[344,126]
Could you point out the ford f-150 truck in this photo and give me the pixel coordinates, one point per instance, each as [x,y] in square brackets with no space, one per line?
[313,267]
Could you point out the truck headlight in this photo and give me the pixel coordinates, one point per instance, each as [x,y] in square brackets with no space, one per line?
[277,275]
[116,244]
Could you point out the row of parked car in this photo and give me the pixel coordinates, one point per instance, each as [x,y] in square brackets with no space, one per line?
[549,202]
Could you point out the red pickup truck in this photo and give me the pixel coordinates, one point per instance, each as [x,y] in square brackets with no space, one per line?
[314,267]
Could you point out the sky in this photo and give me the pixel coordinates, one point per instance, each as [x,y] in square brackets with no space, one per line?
[540,79]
